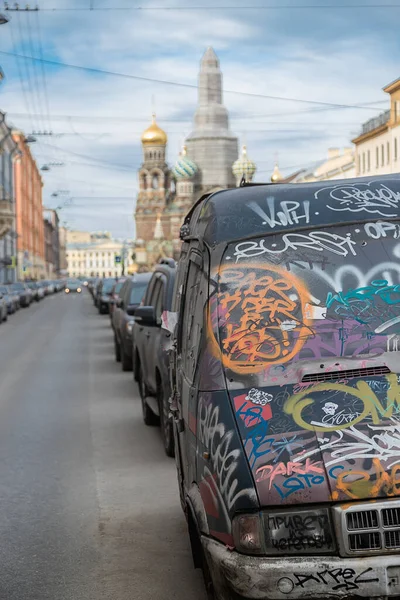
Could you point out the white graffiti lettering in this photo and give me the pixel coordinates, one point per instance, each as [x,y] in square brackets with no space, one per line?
[384,445]
[369,197]
[224,460]
[287,215]
[380,230]
[315,240]
[390,271]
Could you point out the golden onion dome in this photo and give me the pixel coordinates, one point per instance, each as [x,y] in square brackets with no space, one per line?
[276,174]
[154,135]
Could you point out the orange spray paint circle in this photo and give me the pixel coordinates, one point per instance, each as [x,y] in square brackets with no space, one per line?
[262,318]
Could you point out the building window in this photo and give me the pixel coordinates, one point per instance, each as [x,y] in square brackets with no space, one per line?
[388,152]
[395,148]
[382,155]
[377,158]
[369,160]
[363,162]
[155,182]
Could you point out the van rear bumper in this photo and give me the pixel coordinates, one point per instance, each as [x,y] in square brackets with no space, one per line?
[313,577]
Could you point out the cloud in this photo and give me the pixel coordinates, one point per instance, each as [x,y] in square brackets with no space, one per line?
[332,56]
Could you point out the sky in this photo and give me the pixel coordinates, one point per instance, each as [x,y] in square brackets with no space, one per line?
[299,77]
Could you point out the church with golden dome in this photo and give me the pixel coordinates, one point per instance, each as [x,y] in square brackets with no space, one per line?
[209,160]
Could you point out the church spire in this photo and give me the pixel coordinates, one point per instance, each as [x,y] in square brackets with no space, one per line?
[210,79]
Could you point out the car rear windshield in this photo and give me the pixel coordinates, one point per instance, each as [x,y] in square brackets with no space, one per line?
[18,286]
[108,286]
[289,299]
[3,289]
[118,287]
[137,293]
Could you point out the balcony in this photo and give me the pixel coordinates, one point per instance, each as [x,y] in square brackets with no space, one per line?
[376,122]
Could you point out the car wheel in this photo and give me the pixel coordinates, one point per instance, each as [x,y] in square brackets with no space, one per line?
[149,417]
[117,349]
[5,316]
[167,432]
[126,361]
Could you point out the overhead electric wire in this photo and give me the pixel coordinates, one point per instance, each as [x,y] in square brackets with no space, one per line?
[218,7]
[185,85]
[35,83]
[21,80]
[43,73]
[145,120]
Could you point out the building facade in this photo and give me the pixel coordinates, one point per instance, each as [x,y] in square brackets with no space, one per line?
[52,243]
[29,213]
[338,165]
[8,236]
[378,145]
[62,236]
[208,161]
[101,257]
[78,237]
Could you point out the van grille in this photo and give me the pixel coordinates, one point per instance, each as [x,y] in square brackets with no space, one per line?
[367,519]
[347,374]
[365,541]
[392,539]
[366,530]
[391,517]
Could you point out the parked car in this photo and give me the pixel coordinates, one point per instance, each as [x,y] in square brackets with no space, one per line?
[58,285]
[14,294]
[37,291]
[96,291]
[282,389]
[25,294]
[3,308]
[92,285]
[103,296]
[48,287]
[131,295]
[72,286]
[151,343]
[9,299]
[115,295]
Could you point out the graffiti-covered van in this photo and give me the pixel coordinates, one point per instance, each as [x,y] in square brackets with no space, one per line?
[287,389]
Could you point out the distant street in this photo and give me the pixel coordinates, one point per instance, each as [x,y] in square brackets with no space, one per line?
[89,501]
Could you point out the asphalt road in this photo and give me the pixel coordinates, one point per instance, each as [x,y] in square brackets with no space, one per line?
[89,503]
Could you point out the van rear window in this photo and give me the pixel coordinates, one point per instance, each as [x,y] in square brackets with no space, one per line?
[308,295]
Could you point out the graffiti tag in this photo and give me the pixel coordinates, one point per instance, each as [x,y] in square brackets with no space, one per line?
[337,579]
[370,406]
[359,483]
[261,322]
[369,197]
[314,240]
[224,458]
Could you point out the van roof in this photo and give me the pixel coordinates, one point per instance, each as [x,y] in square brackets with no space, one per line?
[258,210]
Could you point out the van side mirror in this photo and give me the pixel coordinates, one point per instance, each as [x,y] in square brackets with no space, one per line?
[146,315]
